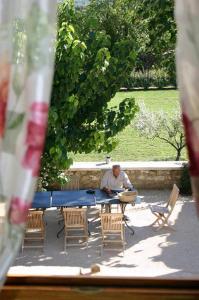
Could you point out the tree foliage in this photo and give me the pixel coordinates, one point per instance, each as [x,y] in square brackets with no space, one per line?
[95,51]
[156,22]
[166,127]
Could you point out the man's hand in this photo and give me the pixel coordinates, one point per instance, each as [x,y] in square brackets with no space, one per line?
[106,190]
[130,188]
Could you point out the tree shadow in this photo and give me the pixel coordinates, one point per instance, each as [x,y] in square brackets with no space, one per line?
[175,253]
[180,250]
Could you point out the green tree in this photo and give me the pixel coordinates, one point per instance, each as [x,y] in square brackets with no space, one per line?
[163,126]
[155,19]
[95,52]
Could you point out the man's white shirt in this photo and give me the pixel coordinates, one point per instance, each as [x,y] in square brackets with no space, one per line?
[111,182]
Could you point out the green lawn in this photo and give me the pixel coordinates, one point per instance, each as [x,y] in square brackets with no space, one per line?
[130,145]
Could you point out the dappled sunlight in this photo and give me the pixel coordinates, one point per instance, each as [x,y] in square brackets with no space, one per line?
[180,250]
[147,253]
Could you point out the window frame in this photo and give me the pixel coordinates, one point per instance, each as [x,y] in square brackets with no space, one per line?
[71,287]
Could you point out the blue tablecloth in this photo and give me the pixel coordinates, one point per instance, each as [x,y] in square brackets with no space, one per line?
[103,198]
[42,200]
[73,198]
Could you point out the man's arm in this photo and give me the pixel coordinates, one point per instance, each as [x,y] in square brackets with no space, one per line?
[104,184]
[127,183]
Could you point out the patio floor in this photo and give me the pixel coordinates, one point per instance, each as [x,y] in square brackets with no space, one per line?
[165,254]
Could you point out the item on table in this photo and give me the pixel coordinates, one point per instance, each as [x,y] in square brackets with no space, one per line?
[108,160]
[115,191]
[90,192]
[127,197]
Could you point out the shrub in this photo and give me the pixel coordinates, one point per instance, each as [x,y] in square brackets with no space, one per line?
[185,182]
[158,78]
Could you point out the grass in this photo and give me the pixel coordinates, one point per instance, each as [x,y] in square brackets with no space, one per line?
[130,145]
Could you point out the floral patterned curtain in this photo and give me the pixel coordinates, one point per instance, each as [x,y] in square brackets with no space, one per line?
[27,32]
[187,53]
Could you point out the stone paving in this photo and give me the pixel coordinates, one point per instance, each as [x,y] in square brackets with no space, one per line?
[164,254]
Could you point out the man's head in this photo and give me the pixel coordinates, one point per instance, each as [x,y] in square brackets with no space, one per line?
[116,170]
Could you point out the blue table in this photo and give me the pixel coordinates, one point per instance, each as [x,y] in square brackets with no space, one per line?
[42,200]
[73,198]
[102,198]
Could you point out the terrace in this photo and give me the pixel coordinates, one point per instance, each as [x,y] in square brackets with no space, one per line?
[165,253]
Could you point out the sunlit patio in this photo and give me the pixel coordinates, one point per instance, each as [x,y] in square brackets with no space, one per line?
[164,253]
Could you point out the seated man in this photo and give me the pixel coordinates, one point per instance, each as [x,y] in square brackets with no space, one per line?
[115,179]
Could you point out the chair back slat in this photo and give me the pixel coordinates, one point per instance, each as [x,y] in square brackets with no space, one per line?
[173,197]
[75,217]
[35,231]
[35,220]
[76,226]
[112,222]
[112,227]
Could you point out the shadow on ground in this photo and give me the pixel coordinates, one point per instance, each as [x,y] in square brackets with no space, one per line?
[164,253]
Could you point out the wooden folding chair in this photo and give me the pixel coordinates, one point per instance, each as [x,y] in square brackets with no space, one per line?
[35,231]
[163,213]
[76,226]
[112,227]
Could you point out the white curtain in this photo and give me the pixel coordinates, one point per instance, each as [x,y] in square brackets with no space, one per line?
[27,33]
[187,53]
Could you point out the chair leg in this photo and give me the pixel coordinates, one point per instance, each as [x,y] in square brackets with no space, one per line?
[156,221]
[165,222]
[159,227]
[60,221]
[158,218]
[107,208]
[171,227]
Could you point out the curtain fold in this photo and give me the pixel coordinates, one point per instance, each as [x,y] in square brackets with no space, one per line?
[187,54]
[27,34]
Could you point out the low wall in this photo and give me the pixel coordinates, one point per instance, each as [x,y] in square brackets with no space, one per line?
[143,175]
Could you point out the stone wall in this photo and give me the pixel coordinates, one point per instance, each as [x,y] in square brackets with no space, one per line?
[143,175]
